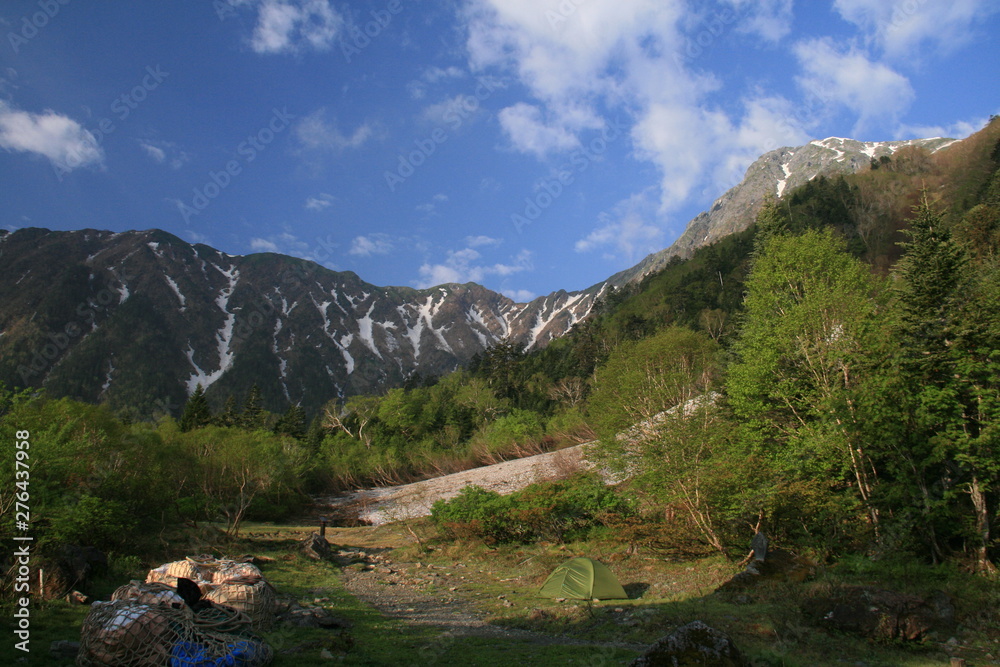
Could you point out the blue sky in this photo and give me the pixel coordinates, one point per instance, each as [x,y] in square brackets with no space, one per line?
[526,145]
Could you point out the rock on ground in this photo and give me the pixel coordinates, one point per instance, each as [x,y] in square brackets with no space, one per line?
[880,614]
[693,644]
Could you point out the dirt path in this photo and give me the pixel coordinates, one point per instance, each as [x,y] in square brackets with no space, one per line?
[435,596]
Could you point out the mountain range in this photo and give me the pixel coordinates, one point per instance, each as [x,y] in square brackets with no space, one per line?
[138,319]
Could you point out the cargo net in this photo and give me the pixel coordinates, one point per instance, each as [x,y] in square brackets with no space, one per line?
[129,633]
[150,623]
[227,582]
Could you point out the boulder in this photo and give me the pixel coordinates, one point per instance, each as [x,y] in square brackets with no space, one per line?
[693,644]
[317,548]
[879,614]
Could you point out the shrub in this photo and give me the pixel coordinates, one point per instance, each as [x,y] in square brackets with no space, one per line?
[474,512]
[567,509]
[105,524]
[514,433]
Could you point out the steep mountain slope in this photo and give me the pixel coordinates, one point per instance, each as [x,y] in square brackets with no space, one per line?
[140,318]
[776,172]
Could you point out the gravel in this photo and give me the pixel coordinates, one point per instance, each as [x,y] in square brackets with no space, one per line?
[433,596]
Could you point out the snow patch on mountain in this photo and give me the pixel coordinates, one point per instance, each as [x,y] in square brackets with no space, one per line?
[365,332]
[176,289]
[223,336]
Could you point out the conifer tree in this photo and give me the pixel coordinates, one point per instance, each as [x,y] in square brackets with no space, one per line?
[253,410]
[196,411]
[930,271]
[230,415]
[770,222]
[927,277]
[292,423]
[315,434]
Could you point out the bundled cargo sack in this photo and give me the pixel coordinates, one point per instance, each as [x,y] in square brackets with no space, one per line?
[229,570]
[125,633]
[169,573]
[238,584]
[146,593]
[251,595]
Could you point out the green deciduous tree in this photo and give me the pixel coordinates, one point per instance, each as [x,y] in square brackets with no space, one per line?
[644,378]
[809,306]
[237,467]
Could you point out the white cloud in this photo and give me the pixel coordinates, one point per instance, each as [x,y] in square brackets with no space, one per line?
[431,76]
[628,232]
[477,241]
[901,27]
[767,123]
[430,208]
[624,58]
[373,244]
[158,154]
[263,245]
[461,266]
[770,19]
[314,132]
[959,129]
[195,237]
[873,91]
[62,140]
[319,202]
[489,184]
[165,152]
[530,134]
[289,26]
[568,65]
[452,111]
[519,295]
[287,243]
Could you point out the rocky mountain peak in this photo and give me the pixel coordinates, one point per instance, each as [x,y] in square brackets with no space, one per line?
[776,172]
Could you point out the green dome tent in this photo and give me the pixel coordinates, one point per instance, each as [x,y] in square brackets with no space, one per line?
[584,579]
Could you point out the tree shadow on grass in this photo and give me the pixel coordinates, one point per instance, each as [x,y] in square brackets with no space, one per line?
[636,589]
